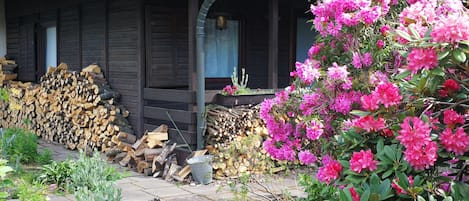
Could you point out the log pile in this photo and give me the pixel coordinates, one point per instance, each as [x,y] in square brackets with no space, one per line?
[7,70]
[234,136]
[151,155]
[77,109]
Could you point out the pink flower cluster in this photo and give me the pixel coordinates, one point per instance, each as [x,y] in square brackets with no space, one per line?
[344,100]
[230,90]
[332,15]
[385,93]
[314,130]
[458,141]
[363,160]
[306,157]
[422,58]
[337,72]
[369,124]
[451,29]
[420,149]
[307,71]
[329,171]
[358,61]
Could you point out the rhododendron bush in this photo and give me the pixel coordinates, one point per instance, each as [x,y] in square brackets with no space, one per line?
[379,109]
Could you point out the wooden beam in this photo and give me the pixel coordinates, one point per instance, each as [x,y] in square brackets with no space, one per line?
[140,63]
[273,44]
[171,95]
[180,116]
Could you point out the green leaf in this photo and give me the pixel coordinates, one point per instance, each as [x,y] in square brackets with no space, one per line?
[414,32]
[359,113]
[420,198]
[365,195]
[403,181]
[380,145]
[403,75]
[443,55]
[355,179]
[404,35]
[387,174]
[438,72]
[374,179]
[459,55]
[389,153]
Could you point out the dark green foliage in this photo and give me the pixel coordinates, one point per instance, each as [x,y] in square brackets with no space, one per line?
[20,146]
[317,190]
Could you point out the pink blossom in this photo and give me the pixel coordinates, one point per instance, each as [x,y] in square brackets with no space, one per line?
[306,157]
[367,59]
[414,132]
[230,90]
[329,171]
[309,103]
[337,72]
[385,30]
[378,77]
[315,49]
[451,29]
[369,124]
[387,94]
[422,157]
[356,60]
[451,118]
[380,44]
[456,142]
[347,85]
[363,160]
[451,84]
[308,71]
[343,103]
[422,58]
[314,130]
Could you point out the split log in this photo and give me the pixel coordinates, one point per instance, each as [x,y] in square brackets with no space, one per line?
[159,160]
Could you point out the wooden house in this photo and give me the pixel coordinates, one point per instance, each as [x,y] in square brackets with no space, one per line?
[147,48]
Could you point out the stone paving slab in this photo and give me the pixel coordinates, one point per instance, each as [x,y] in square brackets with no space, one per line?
[136,187]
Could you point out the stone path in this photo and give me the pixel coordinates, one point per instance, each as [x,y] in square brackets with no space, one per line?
[136,187]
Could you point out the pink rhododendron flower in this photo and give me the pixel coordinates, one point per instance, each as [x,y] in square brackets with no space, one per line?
[329,171]
[356,60]
[315,49]
[308,71]
[337,72]
[310,101]
[230,90]
[420,149]
[451,84]
[414,132]
[378,77]
[423,157]
[363,160]
[343,102]
[387,94]
[422,58]
[451,118]
[306,157]
[314,130]
[370,124]
[367,59]
[451,29]
[457,142]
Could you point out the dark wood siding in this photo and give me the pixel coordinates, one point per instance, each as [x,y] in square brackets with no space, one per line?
[93,31]
[69,37]
[13,36]
[167,44]
[123,54]
[27,48]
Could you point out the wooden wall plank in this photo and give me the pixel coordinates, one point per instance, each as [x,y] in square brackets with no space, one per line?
[69,37]
[27,49]
[173,95]
[93,31]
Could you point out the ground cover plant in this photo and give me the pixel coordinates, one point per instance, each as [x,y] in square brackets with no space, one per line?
[379,109]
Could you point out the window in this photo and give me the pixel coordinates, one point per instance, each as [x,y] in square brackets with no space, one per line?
[304,38]
[221,54]
[51,47]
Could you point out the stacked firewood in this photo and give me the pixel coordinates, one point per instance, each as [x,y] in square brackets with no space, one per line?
[235,137]
[77,109]
[151,155]
[7,70]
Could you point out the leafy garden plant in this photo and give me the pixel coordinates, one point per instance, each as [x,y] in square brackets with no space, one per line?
[379,108]
[238,86]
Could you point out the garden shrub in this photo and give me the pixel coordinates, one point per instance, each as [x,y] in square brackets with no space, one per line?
[20,146]
[379,108]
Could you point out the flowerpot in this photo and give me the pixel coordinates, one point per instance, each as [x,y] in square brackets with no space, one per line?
[253,99]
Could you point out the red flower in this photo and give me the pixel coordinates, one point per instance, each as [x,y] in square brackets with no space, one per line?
[369,124]
[451,118]
[451,84]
